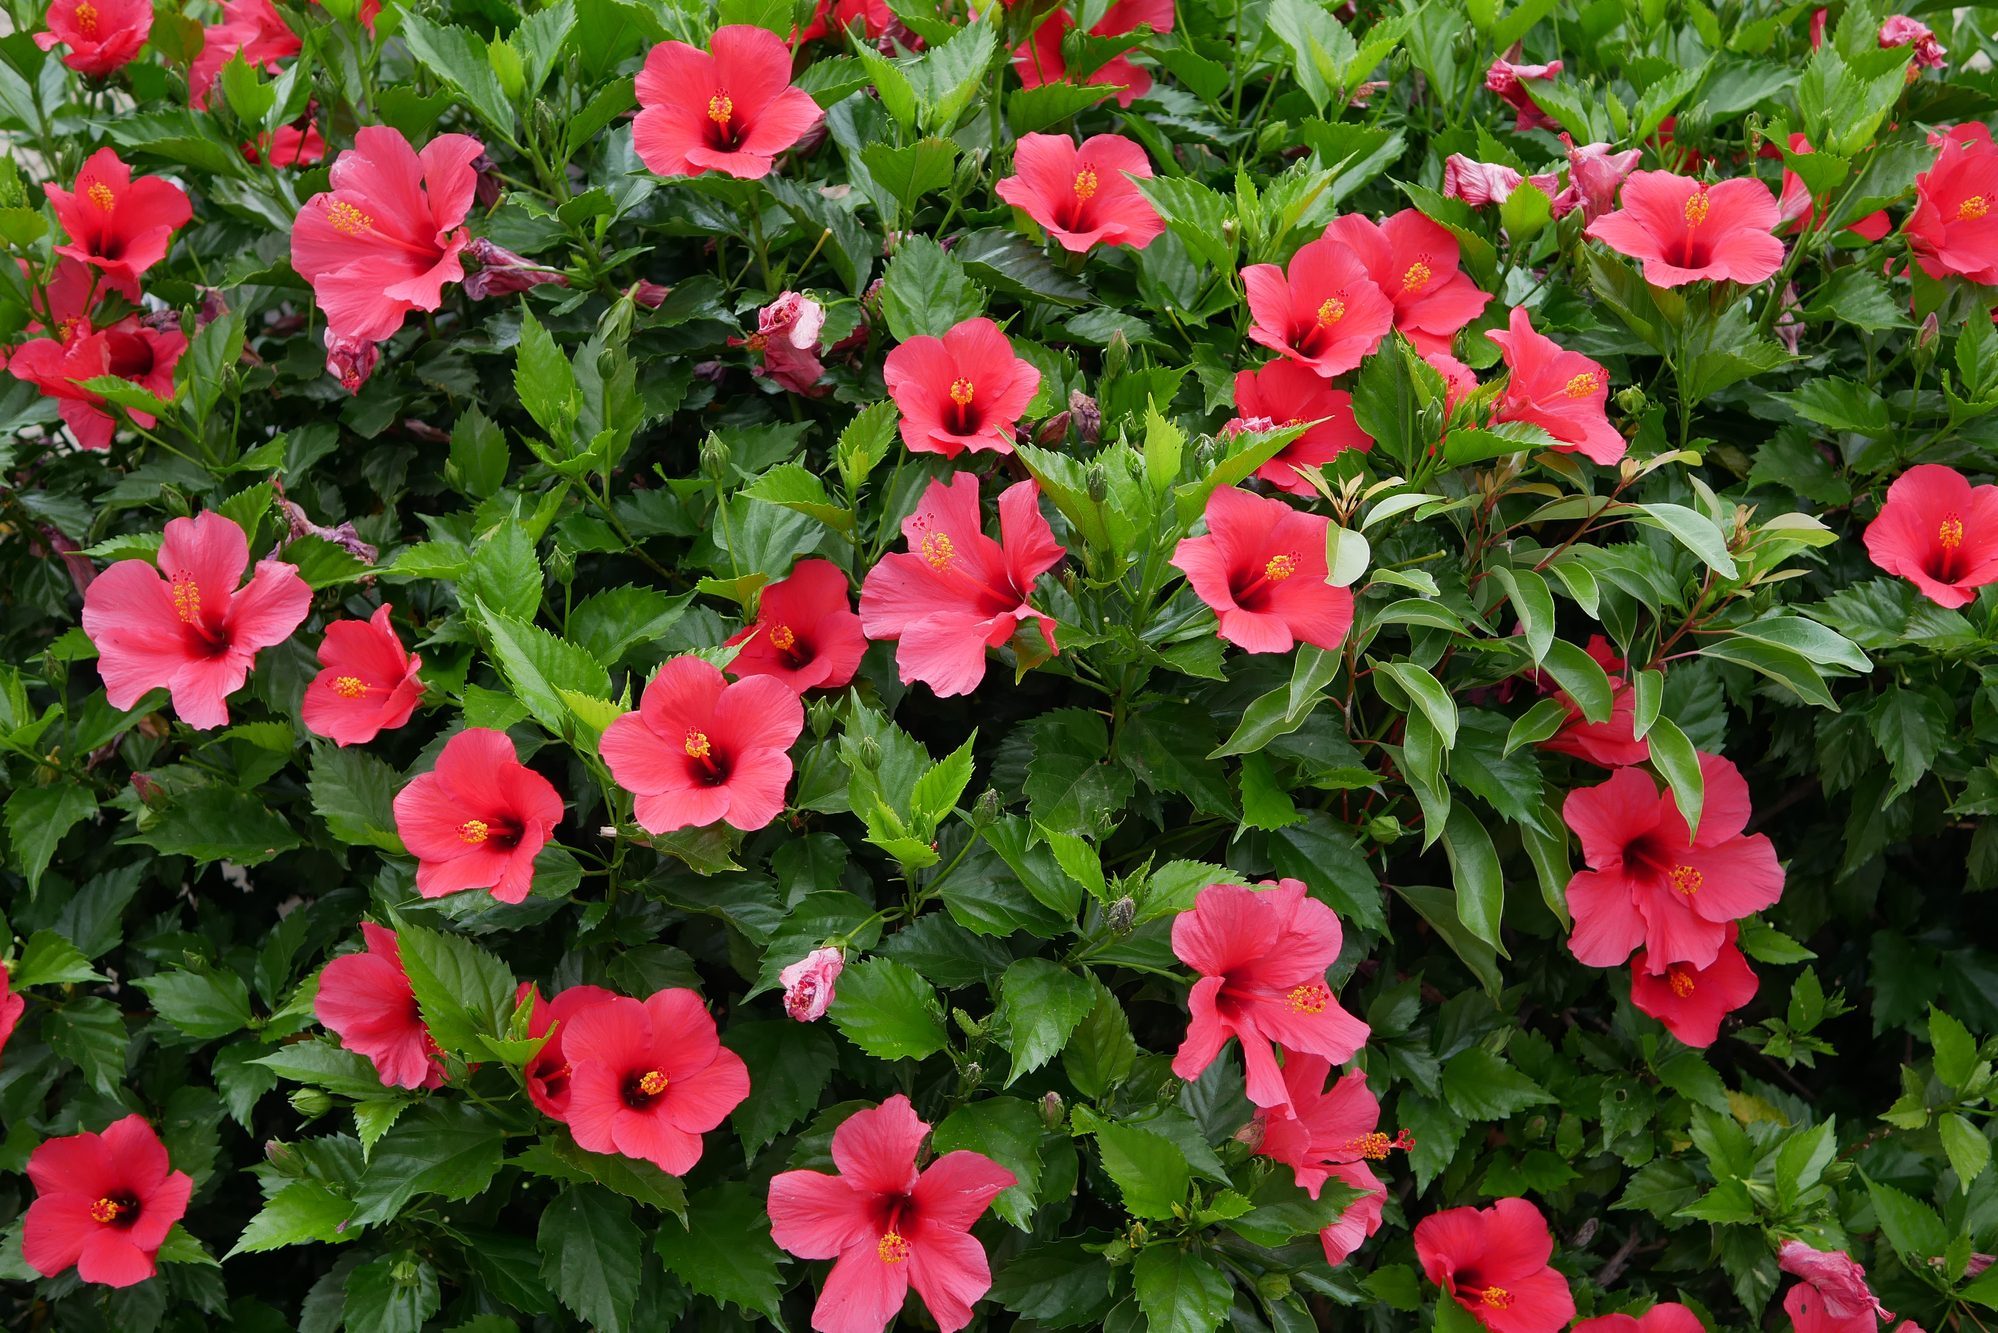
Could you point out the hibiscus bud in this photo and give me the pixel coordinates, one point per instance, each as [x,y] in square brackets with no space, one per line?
[1250,1135]
[651,295]
[284,1157]
[714,457]
[968,1025]
[562,564]
[310,1102]
[148,791]
[351,360]
[972,1072]
[212,307]
[1086,415]
[1384,829]
[1098,483]
[487,189]
[1116,355]
[1052,1110]
[1052,431]
[985,809]
[1927,335]
[1274,1285]
[870,300]
[1978,1263]
[1630,400]
[501,272]
[1120,915]
[869,752]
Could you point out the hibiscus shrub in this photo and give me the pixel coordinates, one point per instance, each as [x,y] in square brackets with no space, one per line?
[721,663]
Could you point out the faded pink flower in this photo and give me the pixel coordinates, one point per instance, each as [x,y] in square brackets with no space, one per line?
[808,983]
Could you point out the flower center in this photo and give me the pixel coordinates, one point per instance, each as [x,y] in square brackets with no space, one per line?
[652,1083]
[781,637]
[1584,384]
[1972,208]
[86,22]
[1331,312]
[187,599]
[1697,207]
[697,743]
[720,108]
[1085,184]
[475,831]
[106,1210]
[1686,879]
[100,194]
[347,219]
[1680,979]
[350,687]
[961,391]
[1310,998]
[1280,568]
[892,1249]
[1496,1297]
[939,550]
[1950,534]
[1417,276]
[1376,1146]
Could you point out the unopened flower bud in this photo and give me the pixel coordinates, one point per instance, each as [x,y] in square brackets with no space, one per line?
[1052,1111]
[870,300]
[1098,484]
[1927,335]
[1086,415]
[148,791]
[487,189]
[985,809]
[869,751]
[973,1072]
[351,360]
[1251,1134]
[651,295]
[1384,829]
[282,1156]
[562,564]
[714,457]
[1116,355]
[1052,431]
[1120,915]
[310,1101]
[1630,400]
[968,1025]
[501,272]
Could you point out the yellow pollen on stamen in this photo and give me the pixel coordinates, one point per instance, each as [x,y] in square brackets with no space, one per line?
[86,19]
[474,831]
[1331,312]
[891,1249]
[100,194]
[350,687]
[1697,206]
[1374,1147]
[1973,208]
[652,1083]
[1950,534]
[939,550]
[1680,980]
[187,599]
[961,391]
[781,637]
[1686,879]
[1584,384]
[1496,1297]
[720,107]
[697,746]
[106,1210]
[1085,184]
[1280,568]
[1311,998]
[347,218]
[1418,274]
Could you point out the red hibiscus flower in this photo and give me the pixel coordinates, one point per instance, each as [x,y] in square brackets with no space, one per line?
[1954,229]
[386,238]
[1083,196]
[808,984]
[365,1000]
[1833,1296]
[787,342]
[131,349]
[1509,82]
[1595,174]
[288,146]
[1261,567]
[1324,311]
[478,819]
[1650,884]
[1689,231]
[647,1079]
[1493,1262]
[1691,1001]
[1665,1317]
[118,225]
[1610,744]
[730,108]
[103,1204]
[184,625]
[1480,183]
[1285,393]
[701,750]
[547,1074]
[1332,1135]
[833,18]
[351,360]
[368,683]
[1900,30]
[965,390]
[252,28]
[1564,393]
[887,1226]
[12,1006]
[1938,532]
[955,592]
[1414,263]
[102,35]
[805,633]
[1795,208]
[1039,60]
[1261,954]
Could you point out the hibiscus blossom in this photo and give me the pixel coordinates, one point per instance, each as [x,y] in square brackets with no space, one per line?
[12,1006]
[808,983]
[1564,393]
[1261,567]
[1331,1134]
[1938,532]
[1900,30]
[184,624]
[1083,196]
[478,819]
[700,750]
[888,1226]
[1595,174]
[547,1074]
[1833,1296]
[1795,208]
[1413,261]
[1509,82]
[367,684]
[250,28]
[1262,954]
[805,633]
[786,342]
[130,349]
[648,1078]
[955,592]
[1691,1001]
[1690,231]
[1040,61]
[386,238]
[1651,884]
[1481,183]
[730,108]
[963,391]
[104,1204]
[118,225]
[1493,1262]
[1665,1317]
[1954,229]
[365,1000]
[102,35]
[1324,311]
[1285,393]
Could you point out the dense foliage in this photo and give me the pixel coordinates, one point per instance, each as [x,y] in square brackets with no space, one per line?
[705,664]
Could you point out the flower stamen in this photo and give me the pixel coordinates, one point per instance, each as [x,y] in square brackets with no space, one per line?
[1584,384]
[781,637]
[1085,184]
[1950,533]
[187,599]
[1280,567]
[86,19]
[1686,879]
[1313,997]
[100,194]
[348,219]
[350,687]
[721,107]
[891,1248]
[961,390]
[475,831]
[939,550]
[106,1210]
[652,1082]
[1972,208]
[1330,312]
[1498,1298]
[1697,206]
[1416,277]
[1680,980]
[697,745]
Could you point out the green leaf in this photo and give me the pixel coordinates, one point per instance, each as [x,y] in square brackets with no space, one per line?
[537,665]
[1912,1227]
[1101,1051]
[90,1034]
[1010,1132]
[218,823]
[201,1004]
[1480,1086]
[888,1011]
[791,486]
[926,291]
[462,990]
[1031,110]
[478,454]
[505,575]
[37,819]
[354,792]
[1180,1290]
[789,1066]
[450,1149]
[303,1212]
[1439,908]
[396,1293]
[590,1251]
[1040,1002]
[1149,1169]
[1955,1050]
[1969,1151]
[1679,763]
[936,792]
[47,959]
[1692,530]
[1583,678]
[912,172]
[545,381]
[1427,694]
[1474,868]
[724,1251]
[559,1158]
[458,56]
